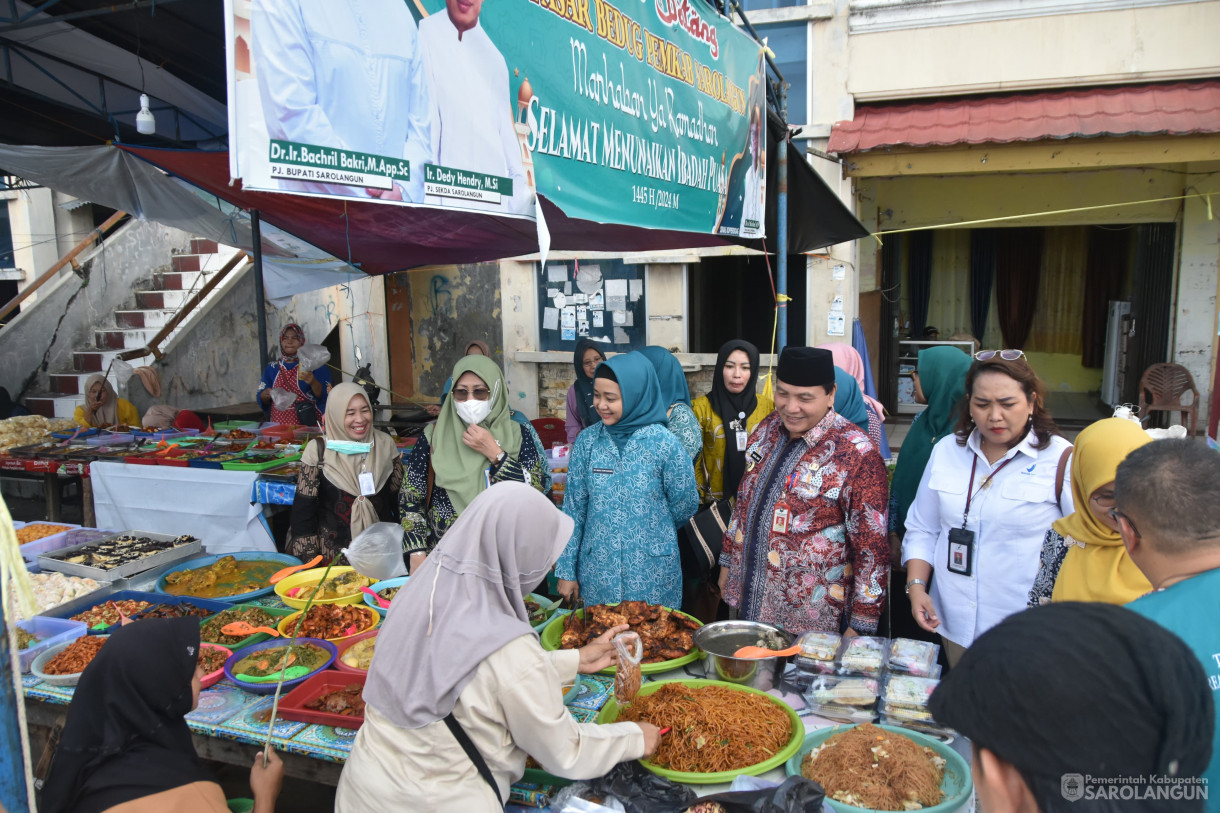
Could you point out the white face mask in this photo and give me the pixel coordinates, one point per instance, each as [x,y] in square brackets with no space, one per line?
[473,411]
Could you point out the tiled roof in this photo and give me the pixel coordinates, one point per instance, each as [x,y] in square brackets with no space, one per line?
[1182,108]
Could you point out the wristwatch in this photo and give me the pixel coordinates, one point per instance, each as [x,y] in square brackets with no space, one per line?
[916,581]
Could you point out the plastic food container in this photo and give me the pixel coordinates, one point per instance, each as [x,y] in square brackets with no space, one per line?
[307,578]
[212,678]
[905,690]
[845,699]
[111,439]
[167,434]
[50,632]
[818,650]
[864,655]
[258,637]
[378,587]
[72,608]
[73,535]
[284,431]
[55,680]
[269,688]
[292,706]
[347,644]
[287,624]
[913,657]
[282,559]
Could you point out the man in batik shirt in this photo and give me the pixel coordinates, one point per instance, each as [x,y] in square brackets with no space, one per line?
[806,548]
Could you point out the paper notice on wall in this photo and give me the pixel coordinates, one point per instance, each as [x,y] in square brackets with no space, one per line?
[582,327]
[630,319]
[568,334]
[556,272]
[568,316]
[589,278]
[620,317]
[620,336]
[560,300]
[582,313]
[567,288]
[552,293]
[599,318]
[839,272]
[616,287]
[580,299]
[637,289]
[616,303]
[836,324]
[550,318]
[597,300]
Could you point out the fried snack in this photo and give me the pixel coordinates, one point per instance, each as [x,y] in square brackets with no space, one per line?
[76,657]
[334,621]
[38,530]
[346,701]
[666,634]
[211,659]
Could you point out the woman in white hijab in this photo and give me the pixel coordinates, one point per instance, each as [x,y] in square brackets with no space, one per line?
[457,656]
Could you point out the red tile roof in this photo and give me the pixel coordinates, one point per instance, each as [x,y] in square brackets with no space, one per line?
[1182,108]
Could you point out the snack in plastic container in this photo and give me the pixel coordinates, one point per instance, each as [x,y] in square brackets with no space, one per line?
[864,656]
[844,691]
[818,649]
[906,690]
[913,657]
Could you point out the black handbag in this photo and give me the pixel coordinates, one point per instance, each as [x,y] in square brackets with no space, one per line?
[701,539]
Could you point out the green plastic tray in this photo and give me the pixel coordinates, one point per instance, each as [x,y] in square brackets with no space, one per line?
[256,638]
[552,635]
[273,463]
[610,712]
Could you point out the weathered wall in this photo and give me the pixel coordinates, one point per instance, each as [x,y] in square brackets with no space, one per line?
[43,337]
[1195,320]
[554,380]
[450,307]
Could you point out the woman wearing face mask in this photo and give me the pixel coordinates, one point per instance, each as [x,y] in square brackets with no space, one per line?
[630,484]
[987,496]
[349,479]
[474,348]
[473,443]
[284,374]
[1083,556]
[675,396]
[727,415]
[103,406]
[581,413]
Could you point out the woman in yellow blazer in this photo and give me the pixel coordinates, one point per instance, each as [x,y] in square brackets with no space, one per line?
[727,416]
[104,407]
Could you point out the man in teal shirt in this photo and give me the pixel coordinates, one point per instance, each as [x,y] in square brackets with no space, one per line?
[1169,517]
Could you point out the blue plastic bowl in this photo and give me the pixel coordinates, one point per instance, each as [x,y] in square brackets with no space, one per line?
[275,643]
[378,587]
[242,556]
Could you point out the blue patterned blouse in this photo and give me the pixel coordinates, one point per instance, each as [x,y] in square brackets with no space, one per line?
[626,506]
[686,428]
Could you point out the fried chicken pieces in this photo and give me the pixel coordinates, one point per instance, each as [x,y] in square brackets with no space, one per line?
[666,635]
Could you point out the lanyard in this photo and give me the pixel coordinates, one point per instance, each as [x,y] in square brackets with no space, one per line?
[970,492]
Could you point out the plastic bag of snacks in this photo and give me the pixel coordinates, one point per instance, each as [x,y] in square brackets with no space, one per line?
[376,552]
[864,655]
[628,677]
[847,699]
[913,657]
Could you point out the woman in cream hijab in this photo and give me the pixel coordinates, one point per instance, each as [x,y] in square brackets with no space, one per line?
[457,656]
[104,407]
[1083,558]
[349,479]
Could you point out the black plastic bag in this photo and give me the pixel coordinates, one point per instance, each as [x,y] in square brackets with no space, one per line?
[796,795]
[635,787]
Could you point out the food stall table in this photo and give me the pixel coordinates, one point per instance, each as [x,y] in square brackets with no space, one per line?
[211,504]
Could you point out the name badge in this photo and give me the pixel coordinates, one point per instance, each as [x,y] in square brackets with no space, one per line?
[961,552]
[742,438]
[779,519]
[603,471]
[368,486]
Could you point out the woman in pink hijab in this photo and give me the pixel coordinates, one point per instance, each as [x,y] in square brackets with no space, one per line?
[848,360]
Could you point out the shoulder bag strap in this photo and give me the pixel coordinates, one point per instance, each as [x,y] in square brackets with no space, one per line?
[1060,474]
[431,484]
[321,452]
[480,764]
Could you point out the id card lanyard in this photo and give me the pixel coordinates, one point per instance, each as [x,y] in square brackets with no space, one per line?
[782,515]
[739,428]
[368,486]
[970,492]
[961,541]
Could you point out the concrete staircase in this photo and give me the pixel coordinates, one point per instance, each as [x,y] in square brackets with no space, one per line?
[134,327]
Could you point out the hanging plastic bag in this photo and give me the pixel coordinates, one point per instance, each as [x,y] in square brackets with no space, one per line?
[627,677]
[122,372]
[282,398]
[376,552]
[312,356]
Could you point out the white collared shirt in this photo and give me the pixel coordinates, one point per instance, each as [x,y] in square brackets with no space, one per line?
[1009,519]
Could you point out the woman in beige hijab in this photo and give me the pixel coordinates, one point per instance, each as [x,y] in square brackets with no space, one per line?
[349,479]
[104,407]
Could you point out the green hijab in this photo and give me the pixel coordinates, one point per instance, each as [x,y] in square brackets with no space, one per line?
[459,469]
[942,377]
[670,377]
[642,401]
[849,402]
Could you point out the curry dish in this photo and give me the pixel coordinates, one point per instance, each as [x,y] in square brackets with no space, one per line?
[224,577]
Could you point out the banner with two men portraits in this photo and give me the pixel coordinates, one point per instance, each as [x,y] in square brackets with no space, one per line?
[646,113]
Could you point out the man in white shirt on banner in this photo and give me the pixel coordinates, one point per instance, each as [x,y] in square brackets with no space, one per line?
[472,122]
[346,74]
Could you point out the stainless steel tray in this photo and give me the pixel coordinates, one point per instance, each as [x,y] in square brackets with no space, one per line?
[55,559]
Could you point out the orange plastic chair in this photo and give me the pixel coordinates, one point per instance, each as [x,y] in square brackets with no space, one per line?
[1161,389]
[550,431]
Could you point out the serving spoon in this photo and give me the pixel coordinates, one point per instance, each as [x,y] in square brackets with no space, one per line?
[381,602]
[280,575]
[763,652]
[242,628]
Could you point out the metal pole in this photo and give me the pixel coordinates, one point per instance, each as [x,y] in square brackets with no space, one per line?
[781,223]
[256,233]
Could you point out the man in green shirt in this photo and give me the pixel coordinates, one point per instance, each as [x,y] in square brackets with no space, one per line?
[1169,517]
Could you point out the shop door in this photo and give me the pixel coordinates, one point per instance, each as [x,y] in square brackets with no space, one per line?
[1151,303]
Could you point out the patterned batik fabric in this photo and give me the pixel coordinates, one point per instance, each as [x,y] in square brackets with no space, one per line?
[626,505]
[828,570]
[685,426]
[322,513]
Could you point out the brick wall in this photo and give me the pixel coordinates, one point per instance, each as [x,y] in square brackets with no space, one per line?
[555,379]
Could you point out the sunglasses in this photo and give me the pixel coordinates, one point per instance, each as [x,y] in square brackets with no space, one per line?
[1117,515]
[1007,355]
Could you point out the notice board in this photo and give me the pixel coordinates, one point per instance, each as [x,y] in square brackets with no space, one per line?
[603,300]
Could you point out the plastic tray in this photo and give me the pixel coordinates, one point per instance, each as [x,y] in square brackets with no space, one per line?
[957,785]
[75,535]
[45,658]
[249,426]
[310,577]
[111,439]
[165,557]
[348,643]
[167,434]
[552,633]
[84,433]
[216,459]
[610,712]
[62,526]
[269,688]
[292,706]
[282,559]
[256,638]
[289,621]
[377,587]
[66,611]
[281,430]
[254,464]
[211,605]
[287,473]
[212,678]
[50,632]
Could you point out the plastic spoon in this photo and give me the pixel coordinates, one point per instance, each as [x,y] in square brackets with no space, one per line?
[763,652]
[381,602]
[280,575]
[242,628]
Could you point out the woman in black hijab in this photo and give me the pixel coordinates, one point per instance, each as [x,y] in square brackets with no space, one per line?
[126,741]
[581,414]
[727,415]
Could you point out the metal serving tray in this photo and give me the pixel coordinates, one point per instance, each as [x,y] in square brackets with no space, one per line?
[55,560]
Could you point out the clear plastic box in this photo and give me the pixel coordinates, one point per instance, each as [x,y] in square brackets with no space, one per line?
[863,655]
[913,657]
[49,632]
[909,691]
[818,650]
[74,535]
[831,690]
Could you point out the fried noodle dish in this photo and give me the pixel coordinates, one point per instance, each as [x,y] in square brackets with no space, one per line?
[714,728]
[666,635]
[867,766]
